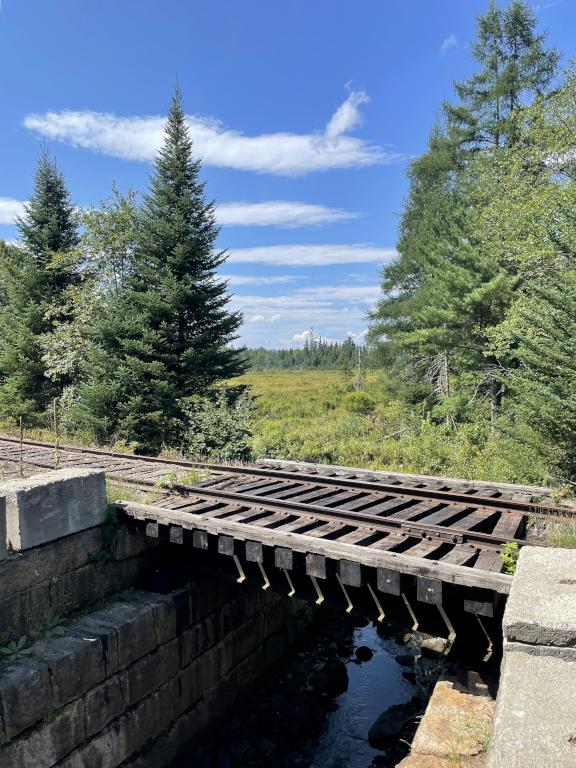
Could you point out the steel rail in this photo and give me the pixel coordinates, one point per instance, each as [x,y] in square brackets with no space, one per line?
[411,529]
[511,505]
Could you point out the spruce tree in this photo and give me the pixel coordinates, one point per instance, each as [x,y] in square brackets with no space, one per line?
[35,276]
[166,335]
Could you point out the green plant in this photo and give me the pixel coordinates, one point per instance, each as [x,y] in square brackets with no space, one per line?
[562,533]
[17,648]
[509,556]
[169,480]
[52,624]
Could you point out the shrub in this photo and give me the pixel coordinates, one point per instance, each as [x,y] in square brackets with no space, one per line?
[217,426]
[358,402]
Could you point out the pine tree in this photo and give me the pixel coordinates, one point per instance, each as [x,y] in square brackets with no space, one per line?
[167,334]
[514,67]
[35,276]
[444,292]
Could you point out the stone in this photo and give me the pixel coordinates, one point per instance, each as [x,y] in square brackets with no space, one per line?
[457,721]
[50,506]
[150,672]
[25,695]
[390,724]
[103,704]
[541,609]
[43,747]
[76,665]
[363,653]
[433,647]
[405,659]
[3,547]
[535,723]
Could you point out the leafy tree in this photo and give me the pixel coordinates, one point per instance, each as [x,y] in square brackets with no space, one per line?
[35,277]
[166,334]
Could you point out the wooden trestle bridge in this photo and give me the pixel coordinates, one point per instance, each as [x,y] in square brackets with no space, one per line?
[434,545]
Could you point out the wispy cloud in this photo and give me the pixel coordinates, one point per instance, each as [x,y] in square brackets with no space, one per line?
[279,213]
[260,280]
[311,255]
[282,153]
[10,209]
[333,310]
[450,42]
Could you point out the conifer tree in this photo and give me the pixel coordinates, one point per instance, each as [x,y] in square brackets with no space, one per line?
[35,276]
[444,292]
[166,335]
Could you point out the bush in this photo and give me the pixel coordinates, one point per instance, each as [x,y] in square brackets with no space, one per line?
[217,426]
[358,402]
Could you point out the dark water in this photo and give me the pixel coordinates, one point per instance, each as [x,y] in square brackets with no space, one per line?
[373,687]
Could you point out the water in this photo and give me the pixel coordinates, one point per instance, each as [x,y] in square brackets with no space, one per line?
[373,687]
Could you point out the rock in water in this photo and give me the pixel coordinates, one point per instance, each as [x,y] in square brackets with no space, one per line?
[332,679]
[389,724]
[363,653]
[434,646]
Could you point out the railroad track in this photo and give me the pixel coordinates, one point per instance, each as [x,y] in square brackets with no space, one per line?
[454,522]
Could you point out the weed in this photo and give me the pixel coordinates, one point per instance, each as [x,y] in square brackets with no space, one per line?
[509,556]
[562,533]
[52,624]
[17,648]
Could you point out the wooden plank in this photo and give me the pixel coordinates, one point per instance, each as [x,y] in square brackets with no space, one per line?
[508,525]
[354,537]
[350,573]
[441,516]
[316,565]
[176,534]
[475,518]
[454,574]
[429,590]
[414,511]
[460,555]
[424,548]
[388,542]
[324,530]
[488,561]
[388,581]
[283,558]
[254,552]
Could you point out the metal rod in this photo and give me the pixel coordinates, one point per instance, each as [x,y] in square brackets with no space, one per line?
[377,602]
[320,598]
[289,580]
[241,574]
[490,648]
[343,588]
[411,612]
[263,572]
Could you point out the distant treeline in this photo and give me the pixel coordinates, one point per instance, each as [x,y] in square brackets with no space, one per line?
[316,353]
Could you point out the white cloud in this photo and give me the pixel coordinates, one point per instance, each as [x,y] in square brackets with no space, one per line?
[260,280]
[450,42]
[280,213]
[282,153]
[10,209]
[311,255]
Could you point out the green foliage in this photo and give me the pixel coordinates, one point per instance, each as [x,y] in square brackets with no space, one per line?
[358,402]
[509,555]
[165,333]
[316,354]
[217,426]
[561,533]
[35,277]
[52,624]
[15,649]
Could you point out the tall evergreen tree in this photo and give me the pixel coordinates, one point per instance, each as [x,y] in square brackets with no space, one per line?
[514,66]
[444,292]
[35,276]
[166,335]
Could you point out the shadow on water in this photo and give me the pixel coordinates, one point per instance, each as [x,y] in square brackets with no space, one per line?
[373,686]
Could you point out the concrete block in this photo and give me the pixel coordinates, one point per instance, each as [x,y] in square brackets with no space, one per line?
[150,672]
[541,609]
[25,696]
[536,713]
[103,704]
[3,545]
[46,507]
[135,629]
[45,746]
[76,665]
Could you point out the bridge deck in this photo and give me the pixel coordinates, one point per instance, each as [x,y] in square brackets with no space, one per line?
[450,531]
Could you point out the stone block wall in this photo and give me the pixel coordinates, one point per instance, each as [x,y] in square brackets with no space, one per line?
[132,682]
[69,575]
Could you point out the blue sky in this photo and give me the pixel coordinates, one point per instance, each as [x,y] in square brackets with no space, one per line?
[305,112]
